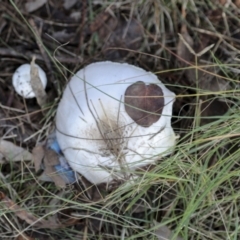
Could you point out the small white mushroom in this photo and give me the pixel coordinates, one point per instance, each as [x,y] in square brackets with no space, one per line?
[21,80]
[112,119]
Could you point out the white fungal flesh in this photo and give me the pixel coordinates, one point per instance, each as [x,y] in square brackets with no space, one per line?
[21,80]
[96,134]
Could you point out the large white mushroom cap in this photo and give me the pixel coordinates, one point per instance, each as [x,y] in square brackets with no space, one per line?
[114,118]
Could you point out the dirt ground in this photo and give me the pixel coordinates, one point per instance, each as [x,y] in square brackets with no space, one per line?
[192,46]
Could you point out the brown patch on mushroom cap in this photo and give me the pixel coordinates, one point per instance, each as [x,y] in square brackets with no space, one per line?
[144,103]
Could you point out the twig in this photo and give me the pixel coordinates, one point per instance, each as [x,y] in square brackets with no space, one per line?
[40,45]
[29,55]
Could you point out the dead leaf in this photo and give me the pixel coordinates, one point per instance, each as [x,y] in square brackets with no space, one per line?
[184,46]
[127,35]
[117,33]
[99,21]
[212,110]
[27,216]
[34,5]
[45,178]
[205,79]
[12,152]
[37,86]
[50,160]
[237,3]
[222,2]
[38,154]
[53,164]
[24,237]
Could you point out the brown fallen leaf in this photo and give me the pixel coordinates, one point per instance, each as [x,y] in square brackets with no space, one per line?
[191,55]
[185,44]
[24,237]
[37,86]
[27,216]
[99,21]
[12,152]
[45,178]
[212,110]
[37,155]
[127,35]
[222,2]
[34,5]
[117,34]
[50,160]
[237,3]
[38,37]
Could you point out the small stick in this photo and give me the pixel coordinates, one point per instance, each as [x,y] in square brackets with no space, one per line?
[40,45]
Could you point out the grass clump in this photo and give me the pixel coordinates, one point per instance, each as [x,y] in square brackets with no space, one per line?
[195,191]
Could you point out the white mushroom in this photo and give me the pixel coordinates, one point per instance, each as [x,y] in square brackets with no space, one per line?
[112,119]
[21,80]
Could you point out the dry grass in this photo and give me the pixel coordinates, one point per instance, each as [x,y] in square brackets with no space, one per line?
[195,191]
